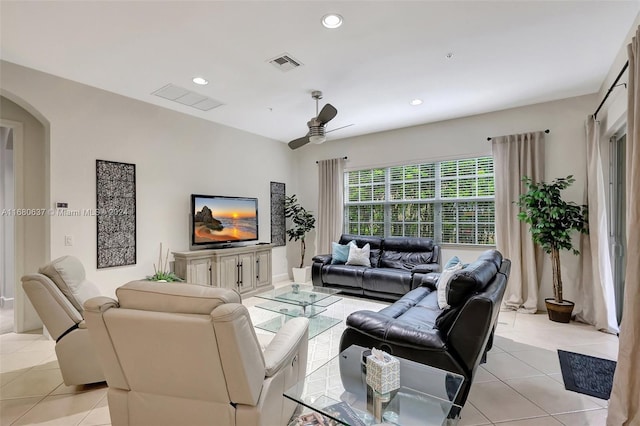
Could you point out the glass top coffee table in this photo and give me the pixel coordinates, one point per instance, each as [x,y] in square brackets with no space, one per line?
[338,390]
[298,300]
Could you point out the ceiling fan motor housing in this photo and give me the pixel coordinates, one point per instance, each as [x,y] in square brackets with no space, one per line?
[317,134]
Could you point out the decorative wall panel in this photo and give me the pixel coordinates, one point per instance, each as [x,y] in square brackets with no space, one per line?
[116,213]
[278,225]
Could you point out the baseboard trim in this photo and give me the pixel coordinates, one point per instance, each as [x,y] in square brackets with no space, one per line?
[6,302]
[280,278]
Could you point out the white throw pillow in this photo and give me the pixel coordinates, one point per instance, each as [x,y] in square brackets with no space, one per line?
[359,256]
[443,285]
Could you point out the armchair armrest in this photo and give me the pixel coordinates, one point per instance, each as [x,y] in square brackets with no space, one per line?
[285,344]
[426,268]
[324,259]
[100,304]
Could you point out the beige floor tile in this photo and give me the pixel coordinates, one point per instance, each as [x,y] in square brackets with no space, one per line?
[557,377]
[13,345]
[506,366]
[22,360]
[541,359]
[607,350]
[32,383]
[9,376]
[99,415]
[506,320]
[584,418]
[470,416]
[498,402]
[495,350]
[39,346]
[61,410]
[551,396]
[12,409]
[48,363]
[482,375]
[64,389]
[31,336]
[512,341]
[538,421]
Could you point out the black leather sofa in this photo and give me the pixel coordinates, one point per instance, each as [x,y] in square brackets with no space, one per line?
[415,328]
[398,264]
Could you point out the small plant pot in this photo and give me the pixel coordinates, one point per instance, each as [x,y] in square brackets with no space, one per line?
[301,275]
[559,312]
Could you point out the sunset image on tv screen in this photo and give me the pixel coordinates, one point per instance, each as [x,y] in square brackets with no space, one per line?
[224,219]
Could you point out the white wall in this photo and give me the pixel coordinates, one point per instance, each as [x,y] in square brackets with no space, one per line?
[175,155]
[467,137]
[7,227]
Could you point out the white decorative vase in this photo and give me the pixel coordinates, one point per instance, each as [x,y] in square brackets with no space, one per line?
[301,275]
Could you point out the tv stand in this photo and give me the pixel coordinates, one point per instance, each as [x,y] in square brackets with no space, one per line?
[246,269]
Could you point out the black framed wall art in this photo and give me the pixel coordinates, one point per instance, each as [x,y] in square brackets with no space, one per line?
[116,213]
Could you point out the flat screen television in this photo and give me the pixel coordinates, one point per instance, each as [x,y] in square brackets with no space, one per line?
[220,221]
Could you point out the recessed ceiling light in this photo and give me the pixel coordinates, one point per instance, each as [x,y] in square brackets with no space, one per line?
[332,20]
[201,81]
[416,102]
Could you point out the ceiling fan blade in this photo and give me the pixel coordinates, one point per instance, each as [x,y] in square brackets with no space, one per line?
[297,143]
[327,113]
[340,128]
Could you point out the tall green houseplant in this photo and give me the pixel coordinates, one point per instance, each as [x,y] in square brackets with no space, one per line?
[552,221]
[302,220]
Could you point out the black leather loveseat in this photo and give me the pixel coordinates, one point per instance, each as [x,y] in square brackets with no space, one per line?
[455,339]
[398,264]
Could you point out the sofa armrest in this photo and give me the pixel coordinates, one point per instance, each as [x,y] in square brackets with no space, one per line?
[369,322]
[470,332]
[426,268]
[324,259]
[285,345]
[429,280]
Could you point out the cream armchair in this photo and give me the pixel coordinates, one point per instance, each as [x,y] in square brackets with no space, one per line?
[183,354]
[57,293]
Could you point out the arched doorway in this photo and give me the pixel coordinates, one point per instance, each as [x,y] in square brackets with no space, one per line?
[30,246]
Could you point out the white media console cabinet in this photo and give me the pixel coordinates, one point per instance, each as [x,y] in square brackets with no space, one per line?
[246,269]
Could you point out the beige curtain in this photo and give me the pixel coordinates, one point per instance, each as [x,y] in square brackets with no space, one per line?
[624,405]
[330,202]
[595,298]
[516,156]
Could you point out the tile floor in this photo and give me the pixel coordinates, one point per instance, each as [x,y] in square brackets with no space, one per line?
[520,385]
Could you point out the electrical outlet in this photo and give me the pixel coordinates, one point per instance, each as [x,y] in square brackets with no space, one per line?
[68,240]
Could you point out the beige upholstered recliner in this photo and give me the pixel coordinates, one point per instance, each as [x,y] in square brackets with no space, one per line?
[183,354]
[57,292]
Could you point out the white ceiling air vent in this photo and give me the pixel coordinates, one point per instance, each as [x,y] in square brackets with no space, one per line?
[285,62]
[187,97]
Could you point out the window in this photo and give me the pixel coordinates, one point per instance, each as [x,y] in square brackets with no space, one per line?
[449,201]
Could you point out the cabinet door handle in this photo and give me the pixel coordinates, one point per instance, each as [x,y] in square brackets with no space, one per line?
[258,268]
[238,274]
[241,274]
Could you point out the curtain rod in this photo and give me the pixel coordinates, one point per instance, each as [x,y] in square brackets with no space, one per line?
[613,85]
[344,158]
[546,131]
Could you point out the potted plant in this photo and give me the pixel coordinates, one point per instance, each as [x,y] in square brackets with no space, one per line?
[303,222]
[552,221]
[161,272]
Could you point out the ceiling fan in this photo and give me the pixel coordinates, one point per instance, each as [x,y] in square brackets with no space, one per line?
[317,132]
